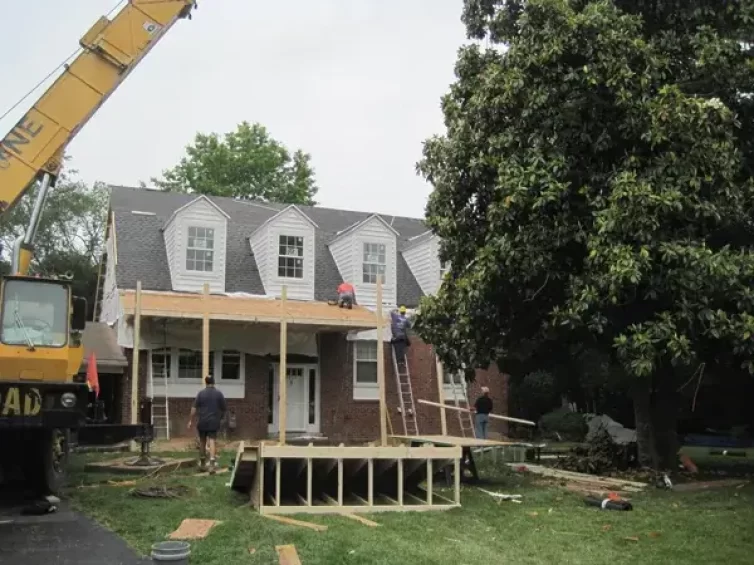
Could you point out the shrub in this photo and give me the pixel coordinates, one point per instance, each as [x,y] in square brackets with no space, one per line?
[569,426]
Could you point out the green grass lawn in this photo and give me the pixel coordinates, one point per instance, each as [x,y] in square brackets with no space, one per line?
[551,526]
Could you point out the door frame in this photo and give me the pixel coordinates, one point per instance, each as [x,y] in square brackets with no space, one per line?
[309,428]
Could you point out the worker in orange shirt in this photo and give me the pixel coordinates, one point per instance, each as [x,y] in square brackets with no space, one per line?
[346,295]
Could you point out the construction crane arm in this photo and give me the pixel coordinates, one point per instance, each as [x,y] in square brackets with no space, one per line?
[111,49]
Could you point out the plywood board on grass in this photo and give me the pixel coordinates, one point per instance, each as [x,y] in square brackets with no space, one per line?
[191,529]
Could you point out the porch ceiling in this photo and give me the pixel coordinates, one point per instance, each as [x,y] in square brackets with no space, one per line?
[317,315]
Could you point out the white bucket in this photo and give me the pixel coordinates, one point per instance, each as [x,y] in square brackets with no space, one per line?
[175,552]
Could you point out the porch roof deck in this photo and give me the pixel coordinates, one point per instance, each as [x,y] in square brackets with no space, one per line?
[247,309]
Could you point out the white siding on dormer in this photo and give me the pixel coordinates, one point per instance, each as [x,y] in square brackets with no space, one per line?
[348,253]
[109,309]
[424,261]
[201,214]
[265,245]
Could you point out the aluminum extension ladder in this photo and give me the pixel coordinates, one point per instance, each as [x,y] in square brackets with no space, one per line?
[461,400]
[406,395]
[160,406]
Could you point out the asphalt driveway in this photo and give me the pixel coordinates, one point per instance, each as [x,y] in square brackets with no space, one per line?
[62,538]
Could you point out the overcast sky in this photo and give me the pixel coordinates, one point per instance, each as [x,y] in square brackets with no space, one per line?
[356,83]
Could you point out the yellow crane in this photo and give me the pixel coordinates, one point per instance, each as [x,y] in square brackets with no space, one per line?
[41,352]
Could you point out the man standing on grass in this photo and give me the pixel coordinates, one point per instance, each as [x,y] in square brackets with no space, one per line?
[210,404]
[482,409]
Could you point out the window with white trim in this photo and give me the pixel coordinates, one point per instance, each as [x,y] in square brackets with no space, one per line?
[181,369]
[374,263]
[291,256]
[230,369]
[365,370]
[200,254]
[161,361]
[444,268]
[190,364]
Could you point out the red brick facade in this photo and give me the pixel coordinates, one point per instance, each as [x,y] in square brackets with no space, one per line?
[343,419]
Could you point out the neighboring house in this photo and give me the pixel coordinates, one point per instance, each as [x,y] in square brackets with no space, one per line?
[247,251]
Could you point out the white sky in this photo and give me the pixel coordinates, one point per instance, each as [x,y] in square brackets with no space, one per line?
[356,83]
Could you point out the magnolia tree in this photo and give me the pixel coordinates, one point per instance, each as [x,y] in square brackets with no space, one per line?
[594,187]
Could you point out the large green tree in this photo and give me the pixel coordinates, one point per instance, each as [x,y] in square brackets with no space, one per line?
[70,236]
[594,187]
[247,164]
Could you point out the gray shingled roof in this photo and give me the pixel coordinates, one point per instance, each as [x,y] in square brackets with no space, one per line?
[141,246]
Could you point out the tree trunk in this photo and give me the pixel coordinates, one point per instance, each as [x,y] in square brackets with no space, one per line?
[642,394]
[665,422]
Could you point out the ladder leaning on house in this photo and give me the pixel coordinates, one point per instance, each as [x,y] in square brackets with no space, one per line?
[405,395]
[461,400]
[160,404]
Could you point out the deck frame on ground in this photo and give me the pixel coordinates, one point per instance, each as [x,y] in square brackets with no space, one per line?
[402,467]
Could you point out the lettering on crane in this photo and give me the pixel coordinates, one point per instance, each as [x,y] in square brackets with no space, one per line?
[15,403]
[22,134]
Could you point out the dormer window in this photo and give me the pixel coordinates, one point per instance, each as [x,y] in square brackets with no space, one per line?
[374,263]
[444,268]
[200,247]
[291,257]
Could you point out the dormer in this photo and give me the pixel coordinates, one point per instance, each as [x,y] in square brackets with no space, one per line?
[283,248]
[195,241]
[422,254]
[365,251]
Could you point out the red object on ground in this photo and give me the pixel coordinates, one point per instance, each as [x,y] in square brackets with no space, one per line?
[688,464]
[345,287]
[92,378]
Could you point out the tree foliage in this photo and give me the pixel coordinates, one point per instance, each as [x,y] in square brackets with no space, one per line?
[594,186]
[70,235]
[246,164]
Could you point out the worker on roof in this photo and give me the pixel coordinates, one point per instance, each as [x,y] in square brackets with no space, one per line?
[346,295]
[399,324]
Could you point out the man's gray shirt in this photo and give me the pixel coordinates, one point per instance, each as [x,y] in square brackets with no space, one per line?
[210,407]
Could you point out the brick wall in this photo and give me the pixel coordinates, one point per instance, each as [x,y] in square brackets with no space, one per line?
[343,418]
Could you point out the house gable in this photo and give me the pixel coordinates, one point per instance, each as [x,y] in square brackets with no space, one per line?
[195,242]
[284,250]
[361,252]
[422,255]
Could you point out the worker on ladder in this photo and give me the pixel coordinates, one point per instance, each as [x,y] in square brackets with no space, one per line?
[399,324]
[346,295]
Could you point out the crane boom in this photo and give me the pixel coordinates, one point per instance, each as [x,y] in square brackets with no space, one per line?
[111,50]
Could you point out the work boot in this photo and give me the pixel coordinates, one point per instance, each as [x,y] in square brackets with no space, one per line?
[212,466]
[202,465]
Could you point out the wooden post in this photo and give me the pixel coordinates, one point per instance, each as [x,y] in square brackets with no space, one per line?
[205,331]
[283,368]
[135,360]
[441,395]
[381,366]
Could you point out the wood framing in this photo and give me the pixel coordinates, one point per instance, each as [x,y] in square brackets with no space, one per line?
[283,369]
[135,357]
[381,366]
[289,479]
[493,416]
[441,396]
[205,331]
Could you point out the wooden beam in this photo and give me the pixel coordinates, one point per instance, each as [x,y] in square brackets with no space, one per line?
[283,368]
[381,366]
[441,395]
[287,555]
[494,416]
[292,522]
[205,331]
[135,357]
[361,519]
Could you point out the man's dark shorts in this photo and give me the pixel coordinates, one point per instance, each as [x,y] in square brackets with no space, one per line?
[207,434]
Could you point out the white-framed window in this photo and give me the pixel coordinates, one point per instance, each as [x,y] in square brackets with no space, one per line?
[200,254]
[444,268]
[454,388]
[365,370]
[291,256]
[181,370]
[374,262]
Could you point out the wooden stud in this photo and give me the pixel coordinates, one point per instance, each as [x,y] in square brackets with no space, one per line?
[370,482]
[292,522]
[283,368]
[309,481]
[493,416]
[400,482]
[135,359]
[277,482]
[206,369]
[430,487]
[340,482]
[457,480]
[361,519]
[381,365]
[260,474]
[441,395]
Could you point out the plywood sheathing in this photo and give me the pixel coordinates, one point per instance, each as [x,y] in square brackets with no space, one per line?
[192,528]
[247,309]
[287,555]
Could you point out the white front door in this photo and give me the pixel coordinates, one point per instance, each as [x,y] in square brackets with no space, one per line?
[302,392]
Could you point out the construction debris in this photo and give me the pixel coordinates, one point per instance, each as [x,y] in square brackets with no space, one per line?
[500,496]
[706,485]
[160,492]
[361,519]
[191,529]
[287,555]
